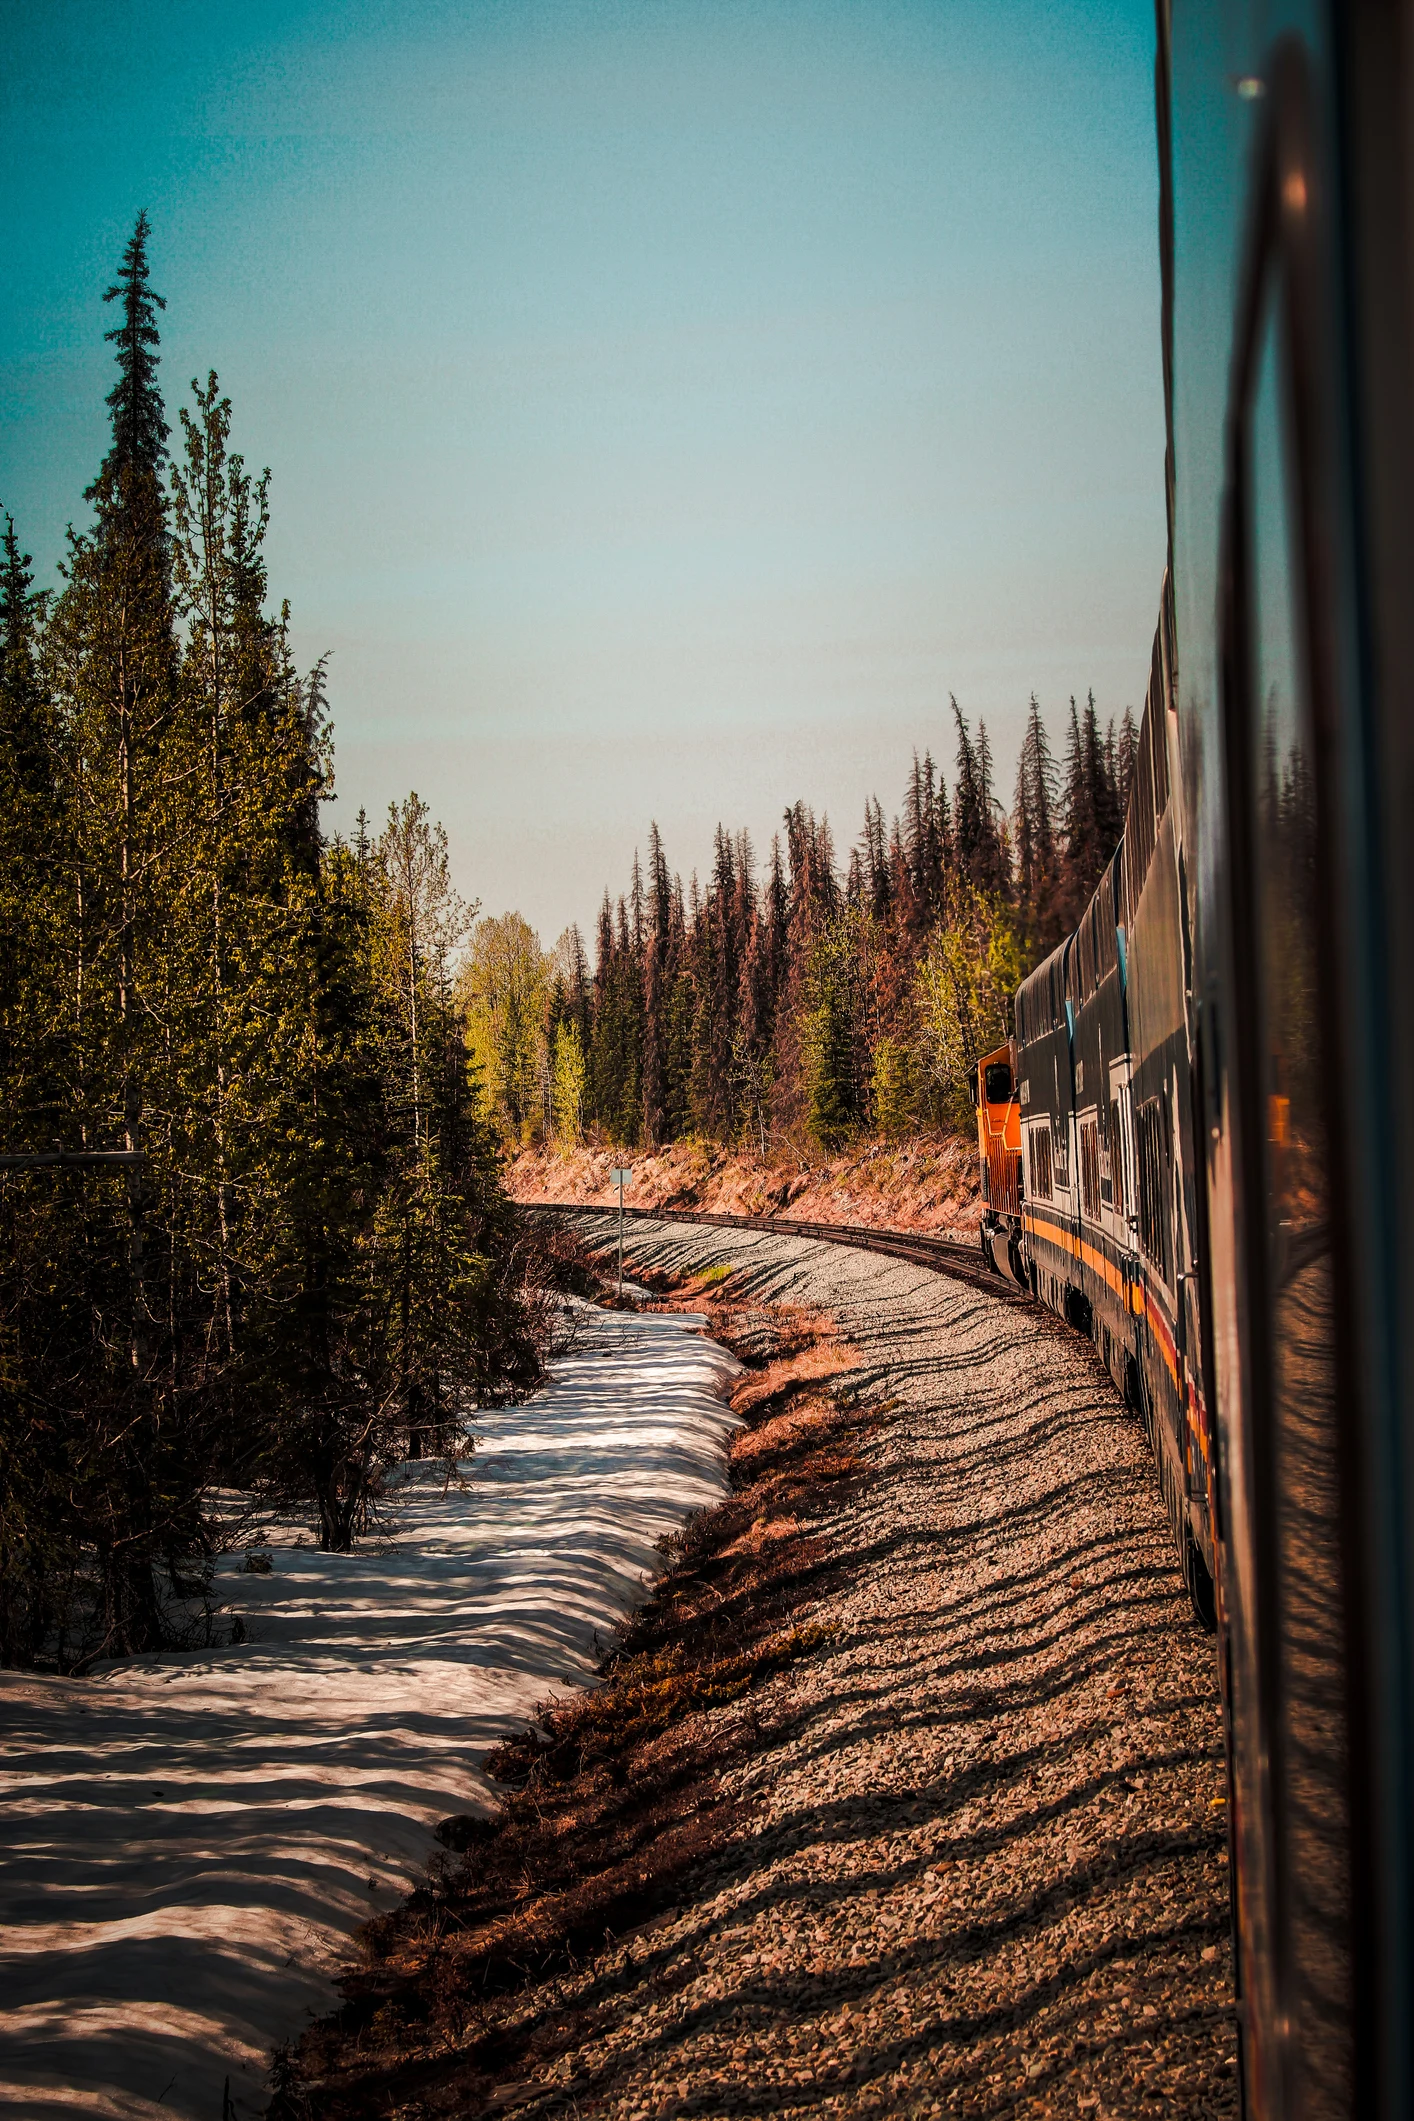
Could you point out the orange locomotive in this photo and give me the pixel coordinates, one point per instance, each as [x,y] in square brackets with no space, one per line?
[999,1146]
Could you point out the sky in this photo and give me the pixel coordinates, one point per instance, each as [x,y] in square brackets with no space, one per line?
[669,406]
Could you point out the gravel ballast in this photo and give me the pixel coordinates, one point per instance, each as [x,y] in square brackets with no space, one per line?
[933,1820]
[983,1864]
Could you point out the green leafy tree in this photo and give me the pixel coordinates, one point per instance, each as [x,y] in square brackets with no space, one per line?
[895,1090]
[570,1076]
[505,990]
[967,981]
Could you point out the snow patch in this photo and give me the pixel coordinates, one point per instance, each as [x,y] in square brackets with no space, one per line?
[194,1838]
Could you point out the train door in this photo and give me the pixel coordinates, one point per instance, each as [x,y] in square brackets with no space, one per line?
[1065,1174]
[999,1139]
[1123,1207]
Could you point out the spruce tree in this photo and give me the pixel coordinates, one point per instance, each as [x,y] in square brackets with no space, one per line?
[32,862]
[1079,867]
[1126,753]
[135,405]
[37,1252]
[776,913]
[1093,814]
[1104,795]
[720,989]
[876,888]
[601,1068]
[1037,802]
[116,661]
[658,975]
[977,843]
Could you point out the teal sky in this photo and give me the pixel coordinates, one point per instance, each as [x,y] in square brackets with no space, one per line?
[667,405]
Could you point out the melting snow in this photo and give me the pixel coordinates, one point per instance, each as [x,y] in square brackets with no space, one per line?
[194,1838]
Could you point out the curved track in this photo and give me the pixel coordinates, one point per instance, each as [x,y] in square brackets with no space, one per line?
[943,1255]
[977,1858]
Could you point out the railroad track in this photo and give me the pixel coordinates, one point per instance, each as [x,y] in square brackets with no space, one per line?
[942,1255]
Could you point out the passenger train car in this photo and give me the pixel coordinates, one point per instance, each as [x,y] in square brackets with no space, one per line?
[1198,1145]
[1091,1200]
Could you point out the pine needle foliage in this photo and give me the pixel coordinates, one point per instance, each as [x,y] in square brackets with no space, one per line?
[787,1004]
[307,1267]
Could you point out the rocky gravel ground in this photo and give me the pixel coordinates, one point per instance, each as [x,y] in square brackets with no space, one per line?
[980,1864]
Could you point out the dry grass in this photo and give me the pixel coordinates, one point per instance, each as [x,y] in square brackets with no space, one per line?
[615,1793]
[929,1184]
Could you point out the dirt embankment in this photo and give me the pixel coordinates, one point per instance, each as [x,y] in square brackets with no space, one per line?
[920,1185]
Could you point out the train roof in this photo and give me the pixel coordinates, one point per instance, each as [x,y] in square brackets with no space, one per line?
[1040,1000]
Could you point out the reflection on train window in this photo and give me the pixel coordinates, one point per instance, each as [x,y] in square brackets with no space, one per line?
[1300,1365]
[1038,1149]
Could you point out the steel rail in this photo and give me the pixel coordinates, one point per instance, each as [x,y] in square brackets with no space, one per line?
[941,1255]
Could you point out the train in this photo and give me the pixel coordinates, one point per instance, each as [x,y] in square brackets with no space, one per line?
[1086,1134]
[1197,1145]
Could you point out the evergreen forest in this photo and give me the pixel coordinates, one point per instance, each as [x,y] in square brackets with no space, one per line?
[257,1079]
[805,1001]
[254,1238]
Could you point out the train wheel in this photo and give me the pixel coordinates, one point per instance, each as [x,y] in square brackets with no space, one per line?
[1078,1312]
[1136,1398]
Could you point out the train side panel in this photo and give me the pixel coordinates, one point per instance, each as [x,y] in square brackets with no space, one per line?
[1286,154]
[1103,1262]
[1161,1105]
[1109,1154]
[1047,1112]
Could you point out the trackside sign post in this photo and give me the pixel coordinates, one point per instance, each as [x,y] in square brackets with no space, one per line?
[620,1178]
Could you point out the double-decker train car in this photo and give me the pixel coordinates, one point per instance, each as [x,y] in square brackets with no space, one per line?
[1199,1144]
[1100,1218]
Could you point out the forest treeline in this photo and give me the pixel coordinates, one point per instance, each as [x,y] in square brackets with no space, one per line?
[306,1266]
[804,1000]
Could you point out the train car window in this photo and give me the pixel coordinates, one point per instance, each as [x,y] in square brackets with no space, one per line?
[1090,1169]
[1116,1158]
[1038,1144]
[1060,1153]
[1152,1135]
[1283,1396]
[1302,1491]
[998,1083]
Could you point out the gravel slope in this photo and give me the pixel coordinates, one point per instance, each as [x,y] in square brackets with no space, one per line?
[982,1867]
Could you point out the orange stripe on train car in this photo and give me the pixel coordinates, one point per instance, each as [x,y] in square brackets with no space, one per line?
[1133,1294]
